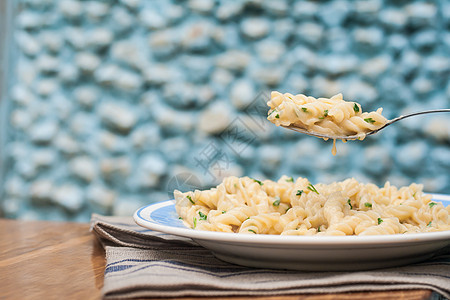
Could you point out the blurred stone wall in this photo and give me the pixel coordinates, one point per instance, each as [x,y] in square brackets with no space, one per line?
[113,104]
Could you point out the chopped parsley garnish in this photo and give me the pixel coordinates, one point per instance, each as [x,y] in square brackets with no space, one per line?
[304,109]
[367,204]
[290,179]
[349,202]
[260,183]
[277,202]
[223,211]
[429,224]
[251,230]
[287,209]
[318,229]
[431,204]
[312,188]
[277,116]
[321,118]
[369,120]
[325,113]
[356,107]
[190,199]
[273,111]
[195,222]
[299,192]
[180,218]
[379,221]
[202,216]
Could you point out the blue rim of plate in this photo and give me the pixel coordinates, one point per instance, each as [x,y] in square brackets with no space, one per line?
[162,217]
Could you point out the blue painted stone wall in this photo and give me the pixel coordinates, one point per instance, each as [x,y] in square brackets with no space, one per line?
[113,104]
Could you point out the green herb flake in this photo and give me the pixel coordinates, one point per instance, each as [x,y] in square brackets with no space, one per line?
[277,202]
[369,120]
[318,229]
[290,179]
[431,204]
[277,116]
[312,188]
[321,118]
[429,224]
[202,216]
[223,211]
[273,111]
[287,209]
[180,218]
[259,182]
[325,113]
[195,222]
[190,199]
[299,192]
[379,221]
[356,107]
[251,230]
[349,202]
[367,204]
[304,109]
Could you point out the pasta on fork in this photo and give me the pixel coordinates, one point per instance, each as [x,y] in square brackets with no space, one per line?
[330,116]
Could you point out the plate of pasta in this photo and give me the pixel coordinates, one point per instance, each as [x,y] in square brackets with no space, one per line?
[293,224]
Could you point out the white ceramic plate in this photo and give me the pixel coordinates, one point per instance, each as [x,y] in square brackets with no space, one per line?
[312,253]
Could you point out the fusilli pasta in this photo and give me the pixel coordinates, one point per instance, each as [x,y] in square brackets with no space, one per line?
[296,207]
[331,116]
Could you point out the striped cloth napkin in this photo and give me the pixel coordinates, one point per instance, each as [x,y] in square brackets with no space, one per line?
[144,263]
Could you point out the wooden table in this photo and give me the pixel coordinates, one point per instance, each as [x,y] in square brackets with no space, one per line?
[49,260]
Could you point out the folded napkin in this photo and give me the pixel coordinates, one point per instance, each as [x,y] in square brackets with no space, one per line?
[145,263]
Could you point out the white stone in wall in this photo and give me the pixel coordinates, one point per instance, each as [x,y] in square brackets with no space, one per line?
[310,32]
[270,51]
[421,13]
[83,124]
[393,18]
[68,196]
[374,67]
[269,76]
[96,10]
[272,157]
[76,37]
[372,36]
[439,128]
[66,144]
[117,116]
[87,96]
[151,19]
[338,64]
[70,8]
[44,131]
[84,167]
[112,142]
[107,73]
[99,37]
[68,72]
[27,73]
[228,10]
[101,196]
[87,62]
[28,43]
[161,74]
[20,119]
[148,135]
[255,27]
[234,60]
[242,93]
[222,77]
[126,205]
[128,81]
[150,168]
[41,191]
[47,64]
[215,118]
[46,87]
[44,158]
[116,167]
[29,20]
[201,6]
[14,187]
[52,40]
[21,95]
[121,19]
[128,52]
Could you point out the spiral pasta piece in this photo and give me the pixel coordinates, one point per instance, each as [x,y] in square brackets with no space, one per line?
[330,116]
[297,207]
